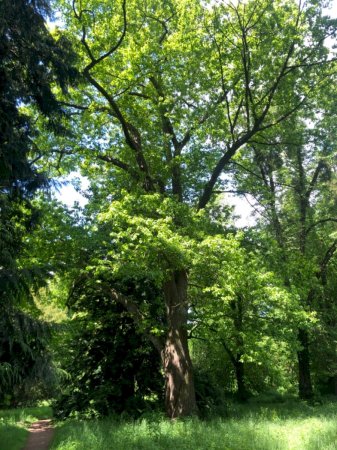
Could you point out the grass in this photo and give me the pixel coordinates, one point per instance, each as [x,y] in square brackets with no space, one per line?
[14,424]
[292,425]
[289,426]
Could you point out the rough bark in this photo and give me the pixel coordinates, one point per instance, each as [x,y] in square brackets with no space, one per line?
[304,374]
[179,383]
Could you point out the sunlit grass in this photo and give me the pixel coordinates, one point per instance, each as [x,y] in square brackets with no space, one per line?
[14,424]
[253,427]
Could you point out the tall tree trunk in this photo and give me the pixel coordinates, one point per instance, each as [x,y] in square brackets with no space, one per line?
[180,393]
[304,374]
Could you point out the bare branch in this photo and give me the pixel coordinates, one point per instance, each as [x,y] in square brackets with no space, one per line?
[275,143]
[116,162]
[313,64]
[73,105]
[223,161]
[247,170]
[284,116]
[139,94]
[163,23]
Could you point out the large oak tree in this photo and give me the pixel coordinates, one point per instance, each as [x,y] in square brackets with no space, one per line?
[172,91]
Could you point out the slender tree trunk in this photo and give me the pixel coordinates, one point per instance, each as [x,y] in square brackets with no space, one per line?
[180,393]
[304,374]
[332,383]
[242,392]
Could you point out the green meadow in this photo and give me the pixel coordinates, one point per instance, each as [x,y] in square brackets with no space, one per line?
[289,426]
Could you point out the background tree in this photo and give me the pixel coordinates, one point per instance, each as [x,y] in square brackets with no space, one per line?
[293,172]
[32,61]
[242,307]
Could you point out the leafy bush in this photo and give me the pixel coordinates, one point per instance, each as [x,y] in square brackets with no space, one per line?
[111,368]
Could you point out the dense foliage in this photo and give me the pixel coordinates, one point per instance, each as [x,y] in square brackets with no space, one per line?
[110,367]
[32,62]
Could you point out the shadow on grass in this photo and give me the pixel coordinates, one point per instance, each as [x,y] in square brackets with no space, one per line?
[247,439]
[12,437]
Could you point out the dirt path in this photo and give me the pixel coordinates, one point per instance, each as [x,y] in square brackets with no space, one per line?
[40,435]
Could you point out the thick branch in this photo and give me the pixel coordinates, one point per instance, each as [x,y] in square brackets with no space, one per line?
[179,145]
[229,352]
[168,129]
[116,162]
[319,222]
[223,161]
[314,179]
[131,134]
[73,105]
[258,126]
[284,116]
[326,259]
